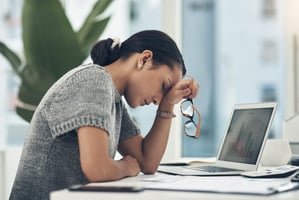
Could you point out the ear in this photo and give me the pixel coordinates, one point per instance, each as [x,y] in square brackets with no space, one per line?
[145,58]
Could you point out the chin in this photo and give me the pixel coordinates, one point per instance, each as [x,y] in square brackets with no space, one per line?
[132,105]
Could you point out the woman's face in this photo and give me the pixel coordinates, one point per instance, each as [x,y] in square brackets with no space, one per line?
[149,84]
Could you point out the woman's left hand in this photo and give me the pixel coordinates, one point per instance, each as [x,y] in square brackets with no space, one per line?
[184,89]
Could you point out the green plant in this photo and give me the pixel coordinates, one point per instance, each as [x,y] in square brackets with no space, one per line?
[51,48]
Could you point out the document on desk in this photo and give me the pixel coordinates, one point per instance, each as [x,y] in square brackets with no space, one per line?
[223,184]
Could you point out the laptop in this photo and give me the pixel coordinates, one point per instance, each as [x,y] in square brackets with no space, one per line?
[242,146]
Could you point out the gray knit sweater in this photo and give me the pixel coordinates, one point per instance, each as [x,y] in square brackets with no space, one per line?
[85,96]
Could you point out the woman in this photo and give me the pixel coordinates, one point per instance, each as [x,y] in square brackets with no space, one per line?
[82,121]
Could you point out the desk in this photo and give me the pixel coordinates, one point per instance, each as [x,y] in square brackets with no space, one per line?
[165,195]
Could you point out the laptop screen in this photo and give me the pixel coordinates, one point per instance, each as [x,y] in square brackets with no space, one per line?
[245,135]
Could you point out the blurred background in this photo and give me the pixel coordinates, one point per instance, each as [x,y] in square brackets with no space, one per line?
[238,51]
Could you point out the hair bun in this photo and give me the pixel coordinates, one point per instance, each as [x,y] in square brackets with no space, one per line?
[104,51]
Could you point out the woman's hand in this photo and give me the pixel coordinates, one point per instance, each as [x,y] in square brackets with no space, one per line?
[184,89]
[132,165]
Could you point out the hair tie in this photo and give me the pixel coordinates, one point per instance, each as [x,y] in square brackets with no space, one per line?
[116,42]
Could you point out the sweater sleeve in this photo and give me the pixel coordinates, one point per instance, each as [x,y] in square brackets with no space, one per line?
[82,98]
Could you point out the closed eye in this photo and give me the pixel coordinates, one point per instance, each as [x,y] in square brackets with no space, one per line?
[165,87]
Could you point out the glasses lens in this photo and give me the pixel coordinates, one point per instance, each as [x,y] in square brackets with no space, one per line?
[190,128]
[191,125]
[186,108]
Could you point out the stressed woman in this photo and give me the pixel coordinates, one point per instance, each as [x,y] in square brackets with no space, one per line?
[82,120]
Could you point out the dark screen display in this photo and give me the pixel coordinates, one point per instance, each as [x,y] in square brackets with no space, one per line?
[245,135]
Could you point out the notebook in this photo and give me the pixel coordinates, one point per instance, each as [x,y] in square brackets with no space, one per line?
[243,143]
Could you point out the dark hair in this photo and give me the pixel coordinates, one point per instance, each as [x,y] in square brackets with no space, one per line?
[165,50]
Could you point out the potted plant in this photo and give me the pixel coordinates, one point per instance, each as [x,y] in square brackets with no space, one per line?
[51,48]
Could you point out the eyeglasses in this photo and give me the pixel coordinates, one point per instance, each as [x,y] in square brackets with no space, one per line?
[191,128]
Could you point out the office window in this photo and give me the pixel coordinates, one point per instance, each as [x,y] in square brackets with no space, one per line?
[237,56]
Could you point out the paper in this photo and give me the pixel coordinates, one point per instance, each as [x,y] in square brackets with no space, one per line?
[223,184]
[190,161]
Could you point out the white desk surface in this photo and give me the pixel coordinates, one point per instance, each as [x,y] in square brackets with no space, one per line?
[165,195]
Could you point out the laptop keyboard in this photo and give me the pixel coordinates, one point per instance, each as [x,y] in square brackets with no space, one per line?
[212,169]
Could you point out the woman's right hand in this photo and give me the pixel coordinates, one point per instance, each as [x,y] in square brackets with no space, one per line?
[184,89]
[132,166]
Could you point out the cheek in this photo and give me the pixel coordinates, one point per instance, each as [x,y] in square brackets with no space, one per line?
[138,86]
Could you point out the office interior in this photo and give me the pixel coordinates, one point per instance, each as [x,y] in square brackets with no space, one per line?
[238,51]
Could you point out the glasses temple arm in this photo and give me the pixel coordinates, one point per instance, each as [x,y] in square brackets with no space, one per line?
[198,123]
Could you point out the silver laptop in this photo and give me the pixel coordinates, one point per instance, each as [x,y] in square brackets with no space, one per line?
[242,145]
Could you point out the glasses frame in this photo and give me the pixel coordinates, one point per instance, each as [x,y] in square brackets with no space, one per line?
[190,117]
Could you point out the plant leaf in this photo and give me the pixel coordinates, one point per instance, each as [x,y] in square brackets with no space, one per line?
[93,27]
[33,87]
[51,47]
[88,38]
[49,40]
[25,114]
[11,56]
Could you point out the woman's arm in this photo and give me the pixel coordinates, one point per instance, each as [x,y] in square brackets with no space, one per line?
[150,149]
[95,161]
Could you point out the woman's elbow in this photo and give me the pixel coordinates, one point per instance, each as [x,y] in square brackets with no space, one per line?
[150,169]
[95,172]
[90,173]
